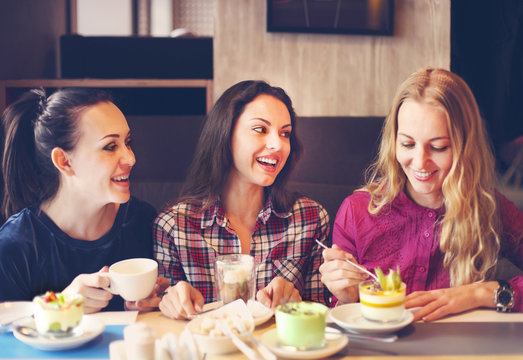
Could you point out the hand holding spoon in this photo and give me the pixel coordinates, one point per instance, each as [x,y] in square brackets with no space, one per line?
[353,264]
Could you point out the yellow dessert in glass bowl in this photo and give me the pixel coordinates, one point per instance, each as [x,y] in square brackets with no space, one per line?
[383,301]
[58,313]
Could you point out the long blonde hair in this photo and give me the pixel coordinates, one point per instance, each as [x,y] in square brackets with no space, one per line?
[469,231]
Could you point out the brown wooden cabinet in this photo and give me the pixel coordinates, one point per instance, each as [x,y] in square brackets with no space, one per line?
[9,89]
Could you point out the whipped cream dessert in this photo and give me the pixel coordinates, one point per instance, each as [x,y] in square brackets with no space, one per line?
[235,279]
[58,313]
[236,284]
[214,324]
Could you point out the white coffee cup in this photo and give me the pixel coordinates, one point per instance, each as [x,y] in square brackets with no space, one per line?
[133,279]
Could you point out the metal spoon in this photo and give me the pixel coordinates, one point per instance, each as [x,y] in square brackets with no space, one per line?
[240,344]
[32,332]
[350,262]
[262,349]
[194,316]
[29,331]
[380,338]
[8,326]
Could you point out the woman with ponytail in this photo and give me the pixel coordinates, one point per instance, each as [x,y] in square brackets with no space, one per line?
[431,208]
[66,165]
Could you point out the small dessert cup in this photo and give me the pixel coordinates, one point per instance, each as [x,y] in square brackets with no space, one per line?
[235,277]
[301,325]
[58,314]
[381,306]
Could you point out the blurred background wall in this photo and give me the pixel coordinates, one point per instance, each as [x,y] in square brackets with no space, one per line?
[331,78]
[326,75]
[330,75]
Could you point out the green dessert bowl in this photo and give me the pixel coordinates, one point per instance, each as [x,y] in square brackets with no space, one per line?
[301,325]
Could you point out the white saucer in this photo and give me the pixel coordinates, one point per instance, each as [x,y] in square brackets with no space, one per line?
[333,344]
[14,310]
[88,329]
[260,313]
[349,317]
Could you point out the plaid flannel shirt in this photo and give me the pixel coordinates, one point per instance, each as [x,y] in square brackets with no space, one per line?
[187,242]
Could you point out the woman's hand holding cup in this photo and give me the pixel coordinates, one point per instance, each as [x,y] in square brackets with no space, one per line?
[91,286]
[152,302]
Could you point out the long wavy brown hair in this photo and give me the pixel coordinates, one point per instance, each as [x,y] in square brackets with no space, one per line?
[213,158]
[469,231]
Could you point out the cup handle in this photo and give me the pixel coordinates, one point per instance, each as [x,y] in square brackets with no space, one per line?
[111,290]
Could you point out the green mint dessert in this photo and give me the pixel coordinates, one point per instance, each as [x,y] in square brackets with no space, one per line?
[301,325]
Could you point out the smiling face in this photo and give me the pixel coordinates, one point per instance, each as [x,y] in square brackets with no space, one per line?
[424,151]
[260,141]
[102,159]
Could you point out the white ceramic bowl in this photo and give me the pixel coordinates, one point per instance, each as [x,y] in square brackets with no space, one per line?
[213,345]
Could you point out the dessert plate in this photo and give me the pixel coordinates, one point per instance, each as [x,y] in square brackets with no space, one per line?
[333,344]
[15,310]
[88,329]
[349,317]
[260,313]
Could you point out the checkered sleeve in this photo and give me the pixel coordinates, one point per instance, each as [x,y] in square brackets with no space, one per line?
[164,247]
[314,289]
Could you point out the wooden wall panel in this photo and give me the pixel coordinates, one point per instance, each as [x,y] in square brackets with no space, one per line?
[329,75]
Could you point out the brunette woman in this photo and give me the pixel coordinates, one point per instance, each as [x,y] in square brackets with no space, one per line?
[66,165]
[235,201]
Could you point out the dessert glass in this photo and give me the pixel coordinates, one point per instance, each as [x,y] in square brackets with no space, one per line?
[381,306]
[301,325]
[235,277]
[58,314]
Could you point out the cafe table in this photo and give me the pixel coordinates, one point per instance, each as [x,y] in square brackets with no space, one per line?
[479,334]
[463,336]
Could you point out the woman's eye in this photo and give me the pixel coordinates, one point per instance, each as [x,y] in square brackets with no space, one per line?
[129,142]
[260,129]
[110,147]
[286,134]
[407,145]
[439,149]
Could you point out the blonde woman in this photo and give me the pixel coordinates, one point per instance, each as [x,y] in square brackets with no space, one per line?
[431,207]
